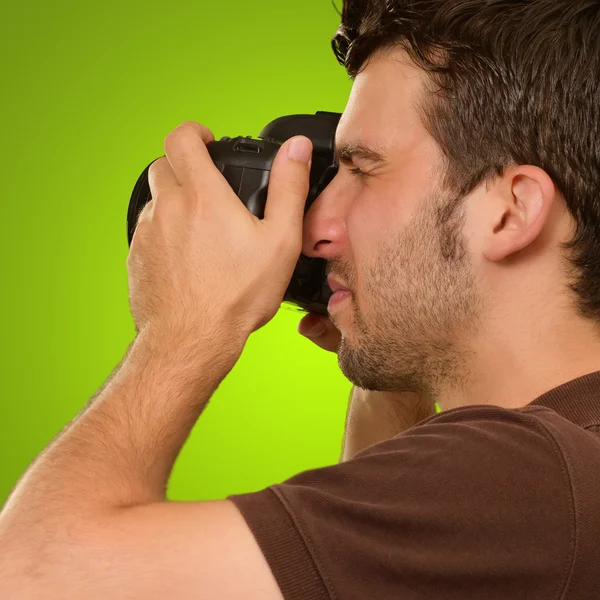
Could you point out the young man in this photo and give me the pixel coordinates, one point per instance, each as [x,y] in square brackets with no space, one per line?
[465,224]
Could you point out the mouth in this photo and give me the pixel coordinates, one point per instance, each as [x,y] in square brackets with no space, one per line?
[335,285]
[338,298]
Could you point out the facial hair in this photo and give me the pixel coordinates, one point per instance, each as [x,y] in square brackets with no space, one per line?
[418,302]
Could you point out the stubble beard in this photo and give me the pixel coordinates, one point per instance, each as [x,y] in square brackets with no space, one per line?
[418,306]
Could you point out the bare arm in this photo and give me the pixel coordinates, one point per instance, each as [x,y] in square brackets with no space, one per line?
[93,504]
[373,417]
[121,448]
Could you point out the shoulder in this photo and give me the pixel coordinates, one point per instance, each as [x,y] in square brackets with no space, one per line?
[475,492]
[475,435]
[457,464]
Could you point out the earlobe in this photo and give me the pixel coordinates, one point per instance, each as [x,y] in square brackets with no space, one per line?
[526,199]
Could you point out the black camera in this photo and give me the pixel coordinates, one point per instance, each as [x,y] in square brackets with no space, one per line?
[246,164]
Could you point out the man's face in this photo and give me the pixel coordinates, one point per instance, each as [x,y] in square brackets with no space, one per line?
[413,288]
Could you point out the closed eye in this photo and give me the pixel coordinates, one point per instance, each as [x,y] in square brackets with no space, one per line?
[359,172]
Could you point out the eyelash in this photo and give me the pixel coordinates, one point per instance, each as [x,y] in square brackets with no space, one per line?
[358,172]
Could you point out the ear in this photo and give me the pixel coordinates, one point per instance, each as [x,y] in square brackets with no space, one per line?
[521,207]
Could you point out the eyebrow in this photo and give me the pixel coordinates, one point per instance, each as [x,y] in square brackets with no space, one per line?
[346,153]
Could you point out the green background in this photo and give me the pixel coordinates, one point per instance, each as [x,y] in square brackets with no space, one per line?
[90,91]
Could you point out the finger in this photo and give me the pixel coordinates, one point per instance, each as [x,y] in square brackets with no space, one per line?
[312,323]
[321,331]
[186,151]
[161,177]
[289,184]
[146,213]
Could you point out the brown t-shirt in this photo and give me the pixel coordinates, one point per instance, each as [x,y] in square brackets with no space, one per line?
[478,502]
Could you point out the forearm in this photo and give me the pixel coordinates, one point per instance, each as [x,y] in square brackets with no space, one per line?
[373,417]
[120,450]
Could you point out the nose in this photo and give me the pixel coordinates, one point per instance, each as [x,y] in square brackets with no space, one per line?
[324,233]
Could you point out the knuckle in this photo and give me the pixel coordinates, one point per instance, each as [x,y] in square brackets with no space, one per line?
[188,129]
[175,137]
[158,163]
[142,226]
[197,128]
[147,210]
[156,167]
[171,141]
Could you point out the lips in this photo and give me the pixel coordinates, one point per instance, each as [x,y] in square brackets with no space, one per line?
[335,285]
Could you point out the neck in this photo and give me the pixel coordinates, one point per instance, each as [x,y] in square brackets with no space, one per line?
[512,366]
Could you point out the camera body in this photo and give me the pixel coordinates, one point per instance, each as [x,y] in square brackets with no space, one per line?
[246,164]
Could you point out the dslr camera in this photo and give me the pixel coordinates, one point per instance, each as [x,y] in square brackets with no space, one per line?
[246,164]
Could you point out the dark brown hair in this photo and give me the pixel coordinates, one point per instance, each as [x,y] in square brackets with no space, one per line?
[513,82]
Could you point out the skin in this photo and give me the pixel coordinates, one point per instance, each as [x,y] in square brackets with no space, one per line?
[472,312]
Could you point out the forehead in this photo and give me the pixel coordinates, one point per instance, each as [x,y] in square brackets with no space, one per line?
[382,110]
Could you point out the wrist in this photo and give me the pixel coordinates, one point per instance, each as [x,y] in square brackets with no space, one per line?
[188,346]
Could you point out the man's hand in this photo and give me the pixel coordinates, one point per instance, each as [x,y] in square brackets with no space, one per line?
[199,259]
[204,274]
[320,330]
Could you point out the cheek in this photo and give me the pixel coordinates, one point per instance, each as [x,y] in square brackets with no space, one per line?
[371,220]
[370,227]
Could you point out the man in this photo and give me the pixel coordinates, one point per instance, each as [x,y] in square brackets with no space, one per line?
[465,223]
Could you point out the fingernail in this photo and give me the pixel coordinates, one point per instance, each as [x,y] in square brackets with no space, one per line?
[300,149]
[316,331]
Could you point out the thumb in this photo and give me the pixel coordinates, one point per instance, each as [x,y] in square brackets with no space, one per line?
[289,184]
[312,326]
[320,330]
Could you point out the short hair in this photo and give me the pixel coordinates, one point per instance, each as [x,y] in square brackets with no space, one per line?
[512,82]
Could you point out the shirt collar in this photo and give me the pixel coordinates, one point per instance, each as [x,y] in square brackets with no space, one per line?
[577,401]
